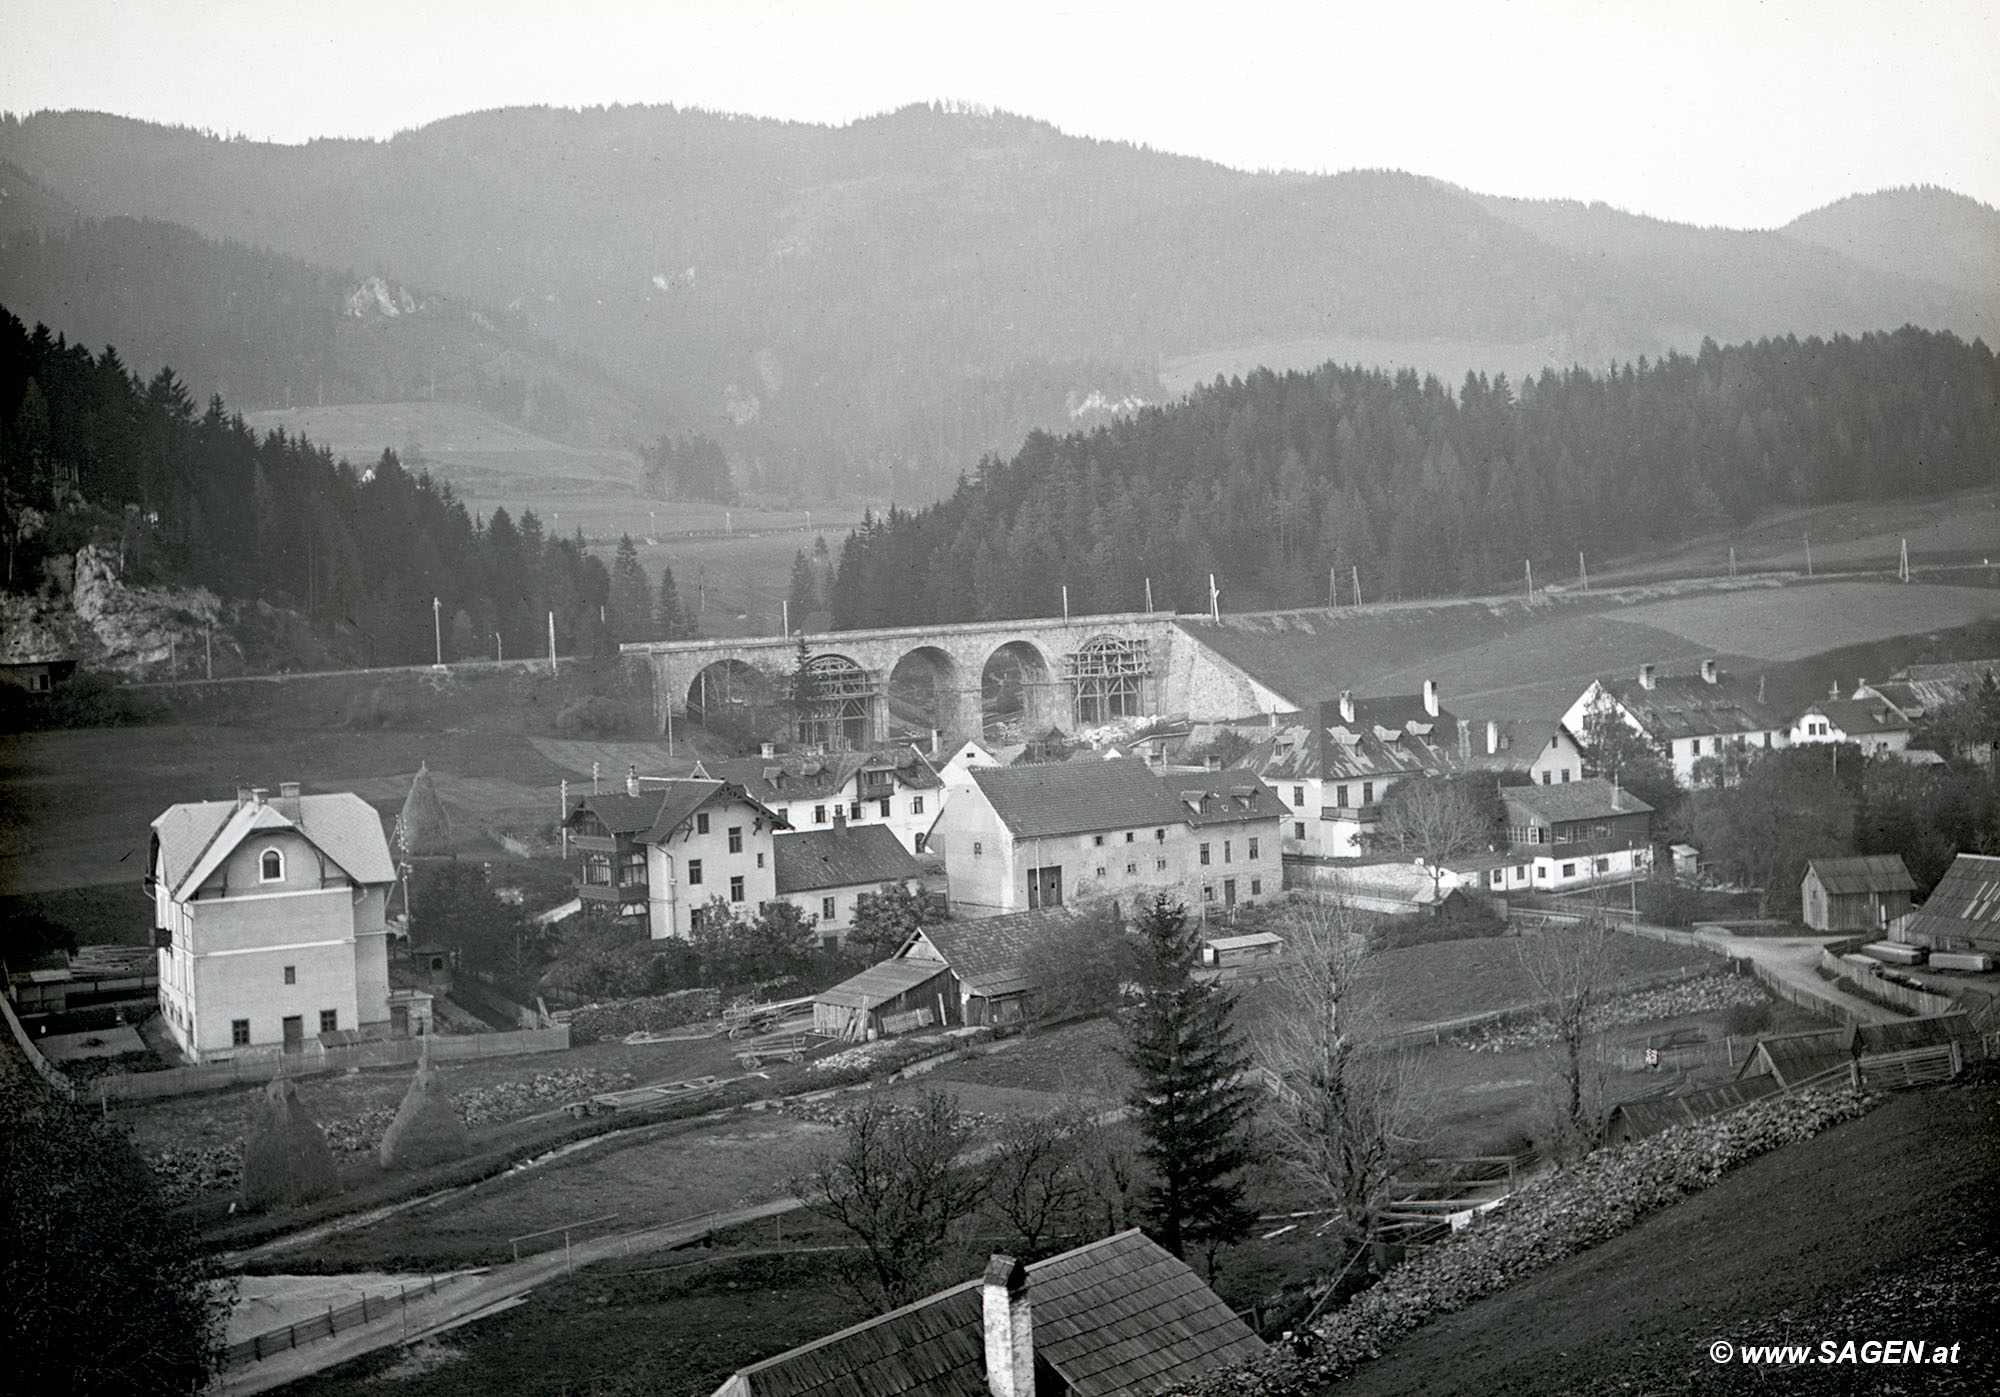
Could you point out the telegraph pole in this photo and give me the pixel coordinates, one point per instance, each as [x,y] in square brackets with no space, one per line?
[437,630]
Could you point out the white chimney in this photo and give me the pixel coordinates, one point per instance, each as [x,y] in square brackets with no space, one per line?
[768,750]
[1647,676]
[1431,697]
[1347,705]
[631,780]
[1009,1329]
[288,800]
[1708,671]
[1492,737]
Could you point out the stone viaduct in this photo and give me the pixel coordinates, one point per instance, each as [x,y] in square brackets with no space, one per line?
[1073,673]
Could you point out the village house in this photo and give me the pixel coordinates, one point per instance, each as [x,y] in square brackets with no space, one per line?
[1586,832]
[1875,725]
[990,960]
[894,787]
[1121,1315]
[657,852]
[825,872]
[1530,751]
[1691,717]
[268,917]
[1855,894]
[1026,837]
[1334,776]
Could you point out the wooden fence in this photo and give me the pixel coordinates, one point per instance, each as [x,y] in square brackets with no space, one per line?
[1919,1004]
[363,1311]
[389,1052]
[1914,1067]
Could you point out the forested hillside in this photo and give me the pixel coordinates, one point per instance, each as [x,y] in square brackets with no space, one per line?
[1280,485]
[95,452]
[864,311]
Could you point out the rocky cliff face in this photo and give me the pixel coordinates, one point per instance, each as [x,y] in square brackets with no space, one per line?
[87,614]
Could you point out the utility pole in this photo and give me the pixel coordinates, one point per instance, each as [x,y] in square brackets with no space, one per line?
[1529,564]
[785,615]
[553,669]
[208,642]
[1357,584]
[1582,570]
[1809,570]
[437,630]
[1149,596]
[1065,602]
[1214,600]
[1903,565]
[1732,560]
[1332,588]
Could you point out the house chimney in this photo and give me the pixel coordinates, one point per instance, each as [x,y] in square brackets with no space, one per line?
[1213,761]
[631,780]
[1347,705]
[257,794]
[1492,737]
[1431,697]
[1708,671]
[1833,690]
[840,817]
[288,800]
[1009,1329]
[1648,676]
[768,750]
[243,796]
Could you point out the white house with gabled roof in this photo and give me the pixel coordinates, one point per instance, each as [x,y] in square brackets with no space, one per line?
[268,916]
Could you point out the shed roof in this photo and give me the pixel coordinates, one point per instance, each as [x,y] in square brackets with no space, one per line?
[195,838]
[988,954]
[1904,1034]
[841,857]
[1964,905]
[1868,873]
[1120,1315]
[1657,1113]
[879,984]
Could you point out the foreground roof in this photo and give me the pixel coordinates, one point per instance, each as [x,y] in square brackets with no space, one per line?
[195,838]
[987,954]
[1965,905]
[1869,873]
[840,857]
[879,984]
[1121,1315]
[1592,798]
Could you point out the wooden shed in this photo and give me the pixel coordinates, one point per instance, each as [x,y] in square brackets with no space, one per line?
[897,996]
[1858,894]
[1635,1120]
[1792,1058]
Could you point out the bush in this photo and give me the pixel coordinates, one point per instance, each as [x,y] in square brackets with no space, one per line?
[653,1014]
[595,716]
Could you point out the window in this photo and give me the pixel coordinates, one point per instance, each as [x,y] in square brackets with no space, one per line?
[854,811]
[1497,877]
[1204,853]
[1098,840]
[1298,795]
[1604,865]
[239,1033]
[1694,746]
[1545,779]
[1207,893]
[701,823]
[271,867]
[784,814]
[977,848]
[329,1021]
[1227,857]
[1159,836]
[736,839]
[1130,835]
[1298,829]
[291,974]
[828,909]
[1160,865]
[1045,886]
[694,873]
[916,805]
[1100,870]
[884,807]
[1253,849]
[819,814]
[1565,779]
[736,888]
[1367,792]
[919,842]
[1569,870]
[760,860]
[1256,887]
[1131,868]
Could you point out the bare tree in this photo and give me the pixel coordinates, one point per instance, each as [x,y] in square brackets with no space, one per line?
[1040,1179]
[1346,1116]
[900,1183]
[1438,818]
[1569,968]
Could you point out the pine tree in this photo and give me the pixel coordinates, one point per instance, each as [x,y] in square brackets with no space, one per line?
[1191,1105]
[631,595]
[672,616]
[804,597]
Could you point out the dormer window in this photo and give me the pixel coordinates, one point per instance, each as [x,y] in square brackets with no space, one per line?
[271,866]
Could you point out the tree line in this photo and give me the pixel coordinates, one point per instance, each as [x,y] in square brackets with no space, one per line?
[1287,487]
[92,453]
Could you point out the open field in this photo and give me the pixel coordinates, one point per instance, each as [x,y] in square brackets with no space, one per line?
[1792,623]
[1885,1227]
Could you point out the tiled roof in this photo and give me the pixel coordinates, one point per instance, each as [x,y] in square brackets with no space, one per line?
[1592,798]
[624,814]
[1517,742]
[987,954]
[1222,797]
[796,776]
[1076,798]
[1859,717]
[1121,1315]
[1870,873]
[841,857]
[1686,705]
[1965,905]
[196,837]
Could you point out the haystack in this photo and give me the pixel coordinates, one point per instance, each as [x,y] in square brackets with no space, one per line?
[423,829]
[285,1158]
[427,1129]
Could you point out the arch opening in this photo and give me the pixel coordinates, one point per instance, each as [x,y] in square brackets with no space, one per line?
[732,698]
[1107,679]
[1013,692]
[831,701]
[922,695]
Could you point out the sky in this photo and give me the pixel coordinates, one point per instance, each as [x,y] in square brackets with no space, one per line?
[1721,112]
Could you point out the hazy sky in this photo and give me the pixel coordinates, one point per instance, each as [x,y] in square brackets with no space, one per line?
[1711,111]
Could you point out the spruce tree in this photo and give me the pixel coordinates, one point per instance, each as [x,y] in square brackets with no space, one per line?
[1191,1104]
[804,596]
[631,594]
[675,620]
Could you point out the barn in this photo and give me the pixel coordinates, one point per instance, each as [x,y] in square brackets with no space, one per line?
[897,996]
[1857,894]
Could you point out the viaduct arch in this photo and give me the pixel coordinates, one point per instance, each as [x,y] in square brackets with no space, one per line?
[1073,673]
